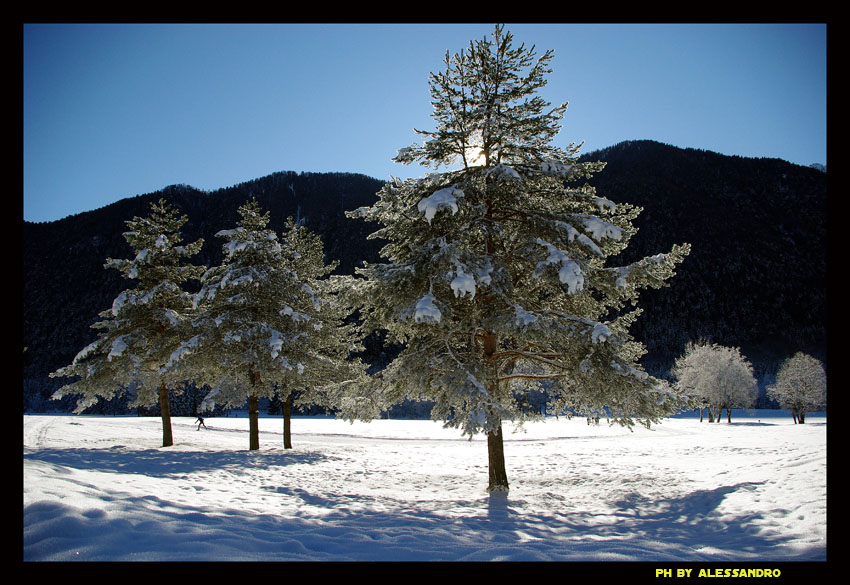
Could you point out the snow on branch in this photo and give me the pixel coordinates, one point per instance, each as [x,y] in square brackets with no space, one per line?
[426,310]
[605,204]
[523,318]
[185,348]
[463,284]
[503,172]
[85,352]
[573,234]
[569,273]
[444,198]
[118,348]
[601,229]
[551,167]
[600,333]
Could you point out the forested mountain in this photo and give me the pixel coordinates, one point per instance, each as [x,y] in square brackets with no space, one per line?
[756,274]
[755,278]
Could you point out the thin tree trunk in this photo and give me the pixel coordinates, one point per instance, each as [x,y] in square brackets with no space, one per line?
[254,422]
[496,457]
[728,415]
[165,411]
[802,418]
[253,410]
[287,416]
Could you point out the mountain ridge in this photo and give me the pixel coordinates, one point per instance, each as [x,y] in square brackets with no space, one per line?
[756,277]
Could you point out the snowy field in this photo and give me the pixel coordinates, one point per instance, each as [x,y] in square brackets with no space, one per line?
[102,489]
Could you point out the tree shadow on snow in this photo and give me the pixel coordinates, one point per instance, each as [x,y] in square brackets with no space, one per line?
[164,462]
[355,527]
[690,527]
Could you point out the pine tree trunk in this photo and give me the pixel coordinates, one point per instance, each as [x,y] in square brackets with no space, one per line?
[253,410]
[287,415]
[496,457]
[165,411]
[495,445]
[254,421]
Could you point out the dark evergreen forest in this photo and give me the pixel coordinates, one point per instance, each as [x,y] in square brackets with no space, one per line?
[755,278]
[756,275]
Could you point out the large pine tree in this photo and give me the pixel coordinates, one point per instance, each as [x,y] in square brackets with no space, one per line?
[496,281]
[265,323]
[143,326]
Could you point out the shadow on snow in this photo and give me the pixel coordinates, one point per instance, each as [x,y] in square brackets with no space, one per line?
[167,462]
[357,527]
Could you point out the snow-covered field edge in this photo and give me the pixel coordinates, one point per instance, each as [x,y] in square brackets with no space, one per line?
[102,489]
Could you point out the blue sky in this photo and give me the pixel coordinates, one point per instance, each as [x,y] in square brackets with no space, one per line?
[117,110]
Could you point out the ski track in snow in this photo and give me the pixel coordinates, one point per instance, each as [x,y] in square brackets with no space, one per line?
[101,488]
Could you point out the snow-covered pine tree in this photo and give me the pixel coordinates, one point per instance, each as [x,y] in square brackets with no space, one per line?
[330,338]
[143,326]
[262,327]
[496,279]
[800,386]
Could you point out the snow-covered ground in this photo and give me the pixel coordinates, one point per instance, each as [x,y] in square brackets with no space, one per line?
[101,488]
